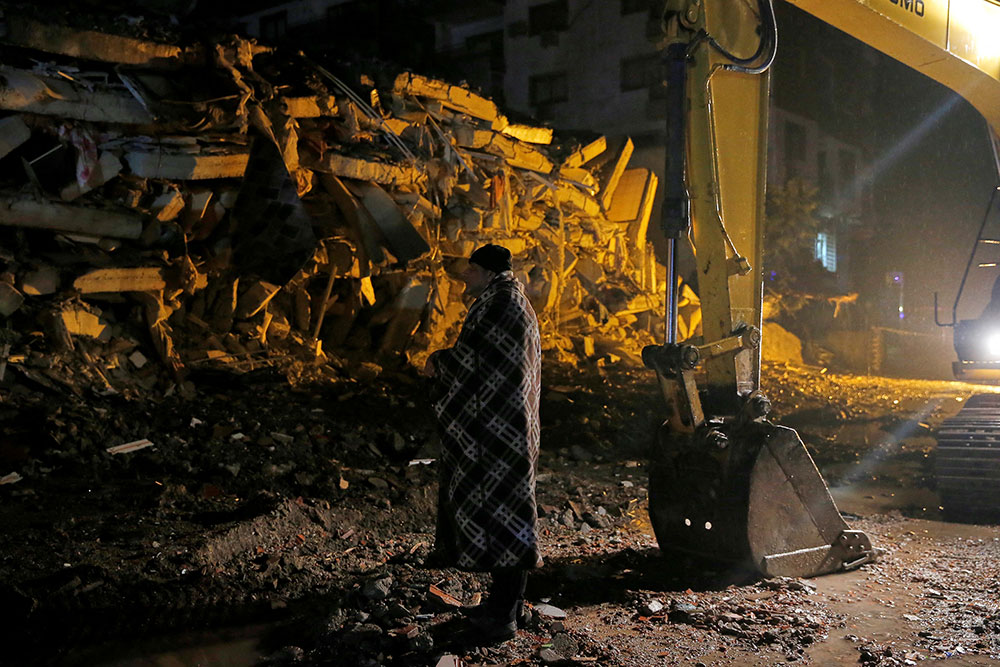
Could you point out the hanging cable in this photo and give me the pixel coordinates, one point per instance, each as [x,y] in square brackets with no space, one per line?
[767,48]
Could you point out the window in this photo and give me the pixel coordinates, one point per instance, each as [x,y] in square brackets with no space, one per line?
[795,142]
[273,27]
[826,250]
[645,71]
[548,17]
[548,88]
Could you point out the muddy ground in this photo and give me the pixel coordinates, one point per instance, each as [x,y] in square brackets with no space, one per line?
[285,525]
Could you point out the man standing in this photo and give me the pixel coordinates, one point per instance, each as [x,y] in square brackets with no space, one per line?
[488,413]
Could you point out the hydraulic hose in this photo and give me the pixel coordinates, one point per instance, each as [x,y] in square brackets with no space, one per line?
[767,48]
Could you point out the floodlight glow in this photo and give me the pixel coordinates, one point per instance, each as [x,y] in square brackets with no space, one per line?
[993,344]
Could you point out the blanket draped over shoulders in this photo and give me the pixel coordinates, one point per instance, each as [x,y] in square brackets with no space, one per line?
[488,415]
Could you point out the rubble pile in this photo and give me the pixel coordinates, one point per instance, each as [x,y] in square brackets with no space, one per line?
[229,204]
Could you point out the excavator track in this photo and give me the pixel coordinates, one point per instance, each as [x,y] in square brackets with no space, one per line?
[968,461]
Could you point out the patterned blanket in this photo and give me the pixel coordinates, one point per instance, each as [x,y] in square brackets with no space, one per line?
[488,413]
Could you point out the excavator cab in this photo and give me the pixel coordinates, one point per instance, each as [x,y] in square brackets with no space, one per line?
[977,341]
[967,456]
[725,483]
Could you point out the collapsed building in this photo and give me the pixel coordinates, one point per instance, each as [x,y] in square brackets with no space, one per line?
[227,204]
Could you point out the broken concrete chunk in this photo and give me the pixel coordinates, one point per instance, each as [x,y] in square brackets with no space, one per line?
[614,172]
[651,608]
[360,221]
[93,45]
[516,154]
[40,281]
[80,321]
[568,194]
[28,92]
[549,611]
[406,312]
[452,97]
[107,168]
[402,239]
[168,205]
[13,133]
[138,359]
[184,166]
[377,589]
[375,172]
[587,268]
[367,290]
[24,212]
[418,203]
[139,279]
[581,176]
[10,299]
[532,135]
[341,259]
[395,125]
[549,656]
[634,194]
[586,153]
[309,107]
[254,299]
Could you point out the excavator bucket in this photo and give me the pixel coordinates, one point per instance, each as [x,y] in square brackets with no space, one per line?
[751,497]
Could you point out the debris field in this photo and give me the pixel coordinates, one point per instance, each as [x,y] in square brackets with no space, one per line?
[220,265]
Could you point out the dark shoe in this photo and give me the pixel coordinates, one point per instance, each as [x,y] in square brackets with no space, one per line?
[523,618]
[475,611]
[437,560]
[487,630]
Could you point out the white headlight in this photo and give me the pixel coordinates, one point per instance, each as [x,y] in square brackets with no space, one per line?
[993,345]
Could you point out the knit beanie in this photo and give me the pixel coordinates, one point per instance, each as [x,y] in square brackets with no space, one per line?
[492,257]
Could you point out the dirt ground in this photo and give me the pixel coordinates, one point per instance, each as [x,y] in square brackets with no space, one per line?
[286,525]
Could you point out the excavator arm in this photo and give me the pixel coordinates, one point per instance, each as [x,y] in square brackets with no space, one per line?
[726,483]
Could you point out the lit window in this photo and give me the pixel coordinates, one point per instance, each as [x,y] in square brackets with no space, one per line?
[826,250]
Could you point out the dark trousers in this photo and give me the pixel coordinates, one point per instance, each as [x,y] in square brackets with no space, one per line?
[506,593]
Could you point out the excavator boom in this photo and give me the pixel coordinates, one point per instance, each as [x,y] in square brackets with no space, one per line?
[725,482]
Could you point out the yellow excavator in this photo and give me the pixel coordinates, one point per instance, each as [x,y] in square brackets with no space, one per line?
[725,483]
